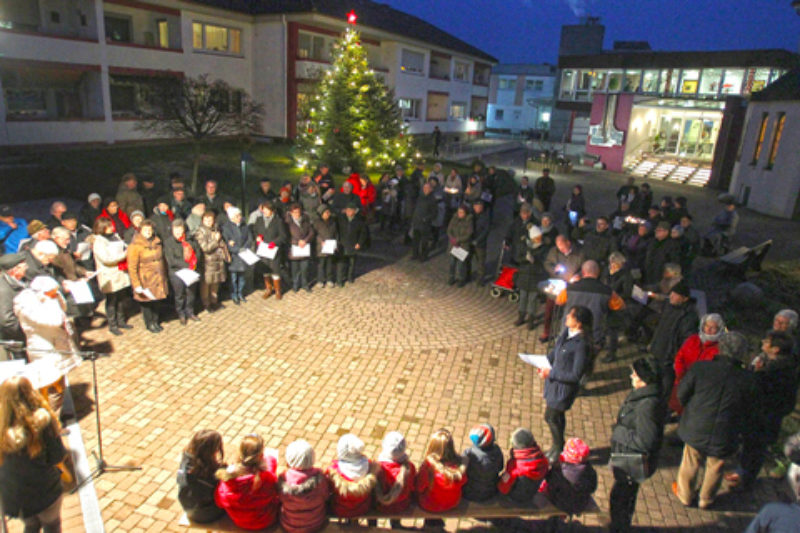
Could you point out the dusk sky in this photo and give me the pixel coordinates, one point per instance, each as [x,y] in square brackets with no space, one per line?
[527,31]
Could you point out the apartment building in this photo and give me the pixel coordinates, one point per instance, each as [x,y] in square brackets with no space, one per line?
[81,71]
[521,98]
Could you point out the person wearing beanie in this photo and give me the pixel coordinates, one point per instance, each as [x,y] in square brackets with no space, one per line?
[441,476]
[660,251]
[526,468]
[303,490]
[396,474]
[531,272]
[484,464]
[137,217]
[780,517]
[715,396]
[678,322]
[702,346]
[572,480]
[353,478]
[247,489]
[639,430]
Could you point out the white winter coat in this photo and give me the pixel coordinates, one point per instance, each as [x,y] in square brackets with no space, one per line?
[106,259]
[44,321]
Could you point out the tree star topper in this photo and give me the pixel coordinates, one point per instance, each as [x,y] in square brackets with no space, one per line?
[352,17]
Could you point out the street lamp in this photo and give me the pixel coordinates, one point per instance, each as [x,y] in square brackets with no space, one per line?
[246,158]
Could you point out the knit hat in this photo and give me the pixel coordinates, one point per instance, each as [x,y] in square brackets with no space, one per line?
[9,261]
[534,232]
[69,215]
[44,284]
[682,288]
[575,451]
[322,208]
[482,436]
[46,247]
[522,438]
[393,448]
[34,226]
[352,461]
[94,196]
[136,213]
[232,211]
[647,370]
[664,225]
[300,455]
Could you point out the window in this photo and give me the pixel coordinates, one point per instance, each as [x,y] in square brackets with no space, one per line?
[498,115]
[123,98]
[458,110]
[412,62]
[709,82]
[760,79]
[776,139]
[409,108]
[163,33]
[534,85]
[437,106]
[760,140]
[615,81]
[118,29]
[26,103]
[311,47]
[507,84]
[632,80]
[689,79]
[461,71]
[216,38]
[440,67]
[732,83]
[135,96]
[55,17]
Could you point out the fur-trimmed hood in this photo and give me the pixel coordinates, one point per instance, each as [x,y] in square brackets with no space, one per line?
[16,436]
[295,482]
[450,473]
[347,488]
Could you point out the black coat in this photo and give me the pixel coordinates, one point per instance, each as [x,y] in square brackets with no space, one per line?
[677,324]
[483,468]
[570,361]
[530,273]
[173,254]
[29,486]
[640,424]
[196,494]
[598,246]
[276,231]
[325,230]
[570,486]
[516,238]
[425,211]
[10,329]
[545,188]
[36,268]
[716,396]
[237,238]
[351,232]
[658,254]
[482,227]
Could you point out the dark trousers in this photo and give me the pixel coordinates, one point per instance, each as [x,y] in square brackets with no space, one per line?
[115,307]
[667,380]
[325,271]
[420,243]
[480,262]
[346,269]
[557,422]
[150,312]
[545,199]
[299,273]
[622,501]
[458,269]
[184,296]
[755,446]
[237,281]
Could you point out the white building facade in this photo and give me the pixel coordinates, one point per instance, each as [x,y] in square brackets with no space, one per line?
[521,98]
[84,71]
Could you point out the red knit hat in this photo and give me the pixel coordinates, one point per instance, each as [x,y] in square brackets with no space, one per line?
[575,451]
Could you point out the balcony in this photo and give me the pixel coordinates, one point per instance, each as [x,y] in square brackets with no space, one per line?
[141,25]
[77,22]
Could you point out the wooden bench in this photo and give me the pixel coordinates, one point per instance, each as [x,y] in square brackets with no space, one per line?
[743,259]
[540,509]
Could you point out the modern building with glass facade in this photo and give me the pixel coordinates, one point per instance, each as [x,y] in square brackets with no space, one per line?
[663,115]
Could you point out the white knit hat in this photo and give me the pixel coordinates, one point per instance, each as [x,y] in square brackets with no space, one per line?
[300,455]
[46,247]
[534,232]
[394,448]
[352,461]
[43,284]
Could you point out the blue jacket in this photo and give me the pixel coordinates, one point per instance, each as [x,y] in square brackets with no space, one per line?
[10,238]
[483,469]
[776,517]
[569,361]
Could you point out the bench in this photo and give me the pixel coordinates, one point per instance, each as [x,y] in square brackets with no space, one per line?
[743,259]
[498,507]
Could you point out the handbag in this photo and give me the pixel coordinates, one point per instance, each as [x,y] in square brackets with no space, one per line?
[633,464]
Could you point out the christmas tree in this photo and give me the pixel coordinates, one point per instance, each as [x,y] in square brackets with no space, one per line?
[352,118]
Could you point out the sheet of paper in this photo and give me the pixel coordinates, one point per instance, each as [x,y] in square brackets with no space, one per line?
[539,361]
[329,246]
[265,251]
[248,256]
[81,292]
[85,250]
[459,253]
[639,295]
[305,251]
[9,369]
[187,276]
[147,293]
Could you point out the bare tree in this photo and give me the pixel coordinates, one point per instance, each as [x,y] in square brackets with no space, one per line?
[199,109]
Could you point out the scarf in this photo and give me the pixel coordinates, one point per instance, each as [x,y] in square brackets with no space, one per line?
[188,253]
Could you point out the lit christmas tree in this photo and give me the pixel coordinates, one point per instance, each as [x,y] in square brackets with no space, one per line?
[352,119]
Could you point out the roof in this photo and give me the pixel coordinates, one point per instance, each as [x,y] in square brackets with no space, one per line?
[525,68]
[647,59]
[371,14]
[787,87]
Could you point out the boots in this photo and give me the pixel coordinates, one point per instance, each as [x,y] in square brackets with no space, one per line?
[277,283]
[531,321]
[268,287]
[520,319]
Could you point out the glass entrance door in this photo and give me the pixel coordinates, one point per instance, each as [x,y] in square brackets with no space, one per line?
[699,136]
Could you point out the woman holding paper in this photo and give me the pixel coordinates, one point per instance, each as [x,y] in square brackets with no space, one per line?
[215,254]
[148,273]
[569,360]
[112,272]
[301,233]
[270,235]
[326,230]
[182,264]
[459,236]
[238,238]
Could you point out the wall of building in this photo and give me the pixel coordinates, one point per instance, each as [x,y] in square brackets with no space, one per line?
[770,191]
[611,156]
[269,87]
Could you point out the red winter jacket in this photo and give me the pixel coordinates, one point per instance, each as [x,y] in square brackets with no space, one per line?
[303,494]
[116,219]
[351,498]
[367,194]
[692,351]
[247,508]
[395,486]
[524,473]
[439,485]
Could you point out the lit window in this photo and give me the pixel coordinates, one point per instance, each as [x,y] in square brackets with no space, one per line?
[163,34]
[458,110]
[215,38]
[760,140]
[776,139]
[311,47]
[409,108]
[412,62]
[461,71]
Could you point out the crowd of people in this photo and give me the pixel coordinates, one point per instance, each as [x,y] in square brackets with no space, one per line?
[589,283]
